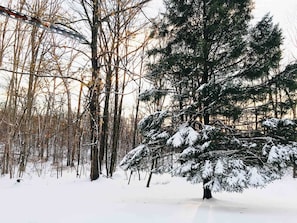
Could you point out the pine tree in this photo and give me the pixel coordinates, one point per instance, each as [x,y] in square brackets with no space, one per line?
[211,57]
[215,65]
[151,155]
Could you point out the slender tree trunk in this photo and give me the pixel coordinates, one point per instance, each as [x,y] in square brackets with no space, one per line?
[70,149]
[78,133]
[116,128]
[151,173]
[117,107]
[105,124]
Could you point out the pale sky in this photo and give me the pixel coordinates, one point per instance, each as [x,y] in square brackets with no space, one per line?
[284,13]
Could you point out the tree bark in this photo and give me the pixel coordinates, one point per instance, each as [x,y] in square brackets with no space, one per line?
[151,174]
[94,93]
[105,124]
[206,190]
[117,105]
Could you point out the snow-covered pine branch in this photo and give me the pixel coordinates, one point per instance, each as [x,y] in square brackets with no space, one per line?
[232,163]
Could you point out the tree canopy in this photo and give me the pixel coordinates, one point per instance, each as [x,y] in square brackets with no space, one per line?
[217,71]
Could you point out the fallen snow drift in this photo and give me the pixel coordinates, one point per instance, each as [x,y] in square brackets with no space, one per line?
[77,200]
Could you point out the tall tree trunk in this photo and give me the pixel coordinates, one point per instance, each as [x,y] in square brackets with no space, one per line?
[28,110]
[94,94]
[105,124]
[116,127]
[117,107]
[78,133]
[70,149]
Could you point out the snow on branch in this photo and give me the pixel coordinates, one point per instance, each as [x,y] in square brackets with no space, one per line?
[230,161]
[135,159]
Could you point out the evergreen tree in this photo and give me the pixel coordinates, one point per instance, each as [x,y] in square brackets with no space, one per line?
[151,155]
[215,65]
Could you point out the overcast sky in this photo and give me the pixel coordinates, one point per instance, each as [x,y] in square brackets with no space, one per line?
[284,13]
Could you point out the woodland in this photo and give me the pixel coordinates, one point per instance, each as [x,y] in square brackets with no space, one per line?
[62,98]
[197,92]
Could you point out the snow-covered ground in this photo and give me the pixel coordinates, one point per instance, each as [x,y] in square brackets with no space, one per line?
[77,200]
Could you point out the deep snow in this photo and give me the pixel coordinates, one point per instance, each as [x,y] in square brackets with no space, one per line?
[77,200]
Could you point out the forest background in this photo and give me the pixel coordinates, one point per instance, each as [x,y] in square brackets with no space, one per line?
[68,102]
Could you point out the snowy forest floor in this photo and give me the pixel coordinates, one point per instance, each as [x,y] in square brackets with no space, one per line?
[77,200]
